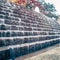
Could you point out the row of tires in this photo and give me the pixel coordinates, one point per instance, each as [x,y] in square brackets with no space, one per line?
[18,41]
[20,51]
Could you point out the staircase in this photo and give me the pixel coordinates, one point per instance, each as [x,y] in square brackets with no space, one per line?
[23,31]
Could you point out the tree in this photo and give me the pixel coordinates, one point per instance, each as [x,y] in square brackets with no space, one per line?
[49,7]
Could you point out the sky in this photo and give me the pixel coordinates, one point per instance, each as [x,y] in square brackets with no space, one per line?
[56,4]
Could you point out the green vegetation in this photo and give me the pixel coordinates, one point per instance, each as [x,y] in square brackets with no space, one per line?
[51,9]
